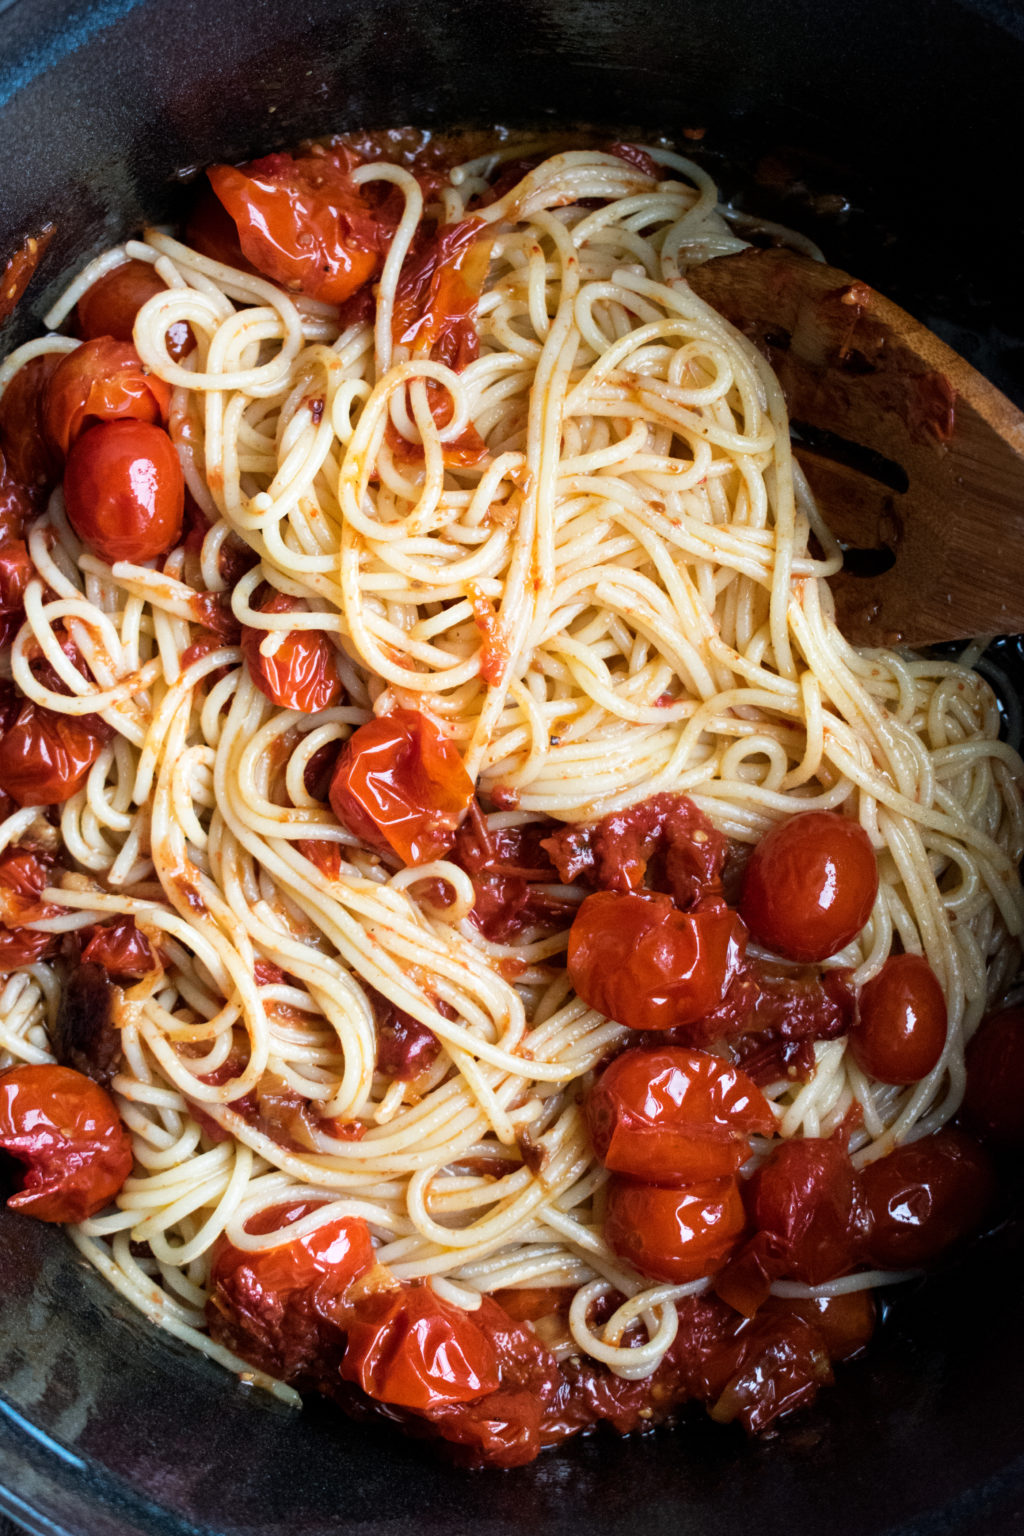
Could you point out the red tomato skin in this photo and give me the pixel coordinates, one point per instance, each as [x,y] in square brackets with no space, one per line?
[409,1348]
[120,947]
[674,1234]
[302,223]
[809,886]
[110,306]
[900,1031]
[924,1197]
[302,673]
[102,380]
[16,571]
[278,1307]
[32,461]
[23,874]
[806,1199]
[15,505]
[994,1101]
[636,958]
[45,757]
[66,1130]
[674,1116]
[125,491]
[400,786]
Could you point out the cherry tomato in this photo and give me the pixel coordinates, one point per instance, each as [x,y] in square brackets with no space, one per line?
[278,1306]
[400,786]
[67,1132]
[638,959]
[901,1028]
[302,223]
[674,1234]
[44,756]
[32,461]
[924,1197]
[438,292]
[805,1198]
[674,1116]
[410,1348]
[125,491]
[110,306]
[23,874]
[16,571]
[302,672]
[15,505]
[211,231]
[120,947]
[102,380]
[405,1047]
[845,1322]
[781,1363]
[994,1101]
[809,886]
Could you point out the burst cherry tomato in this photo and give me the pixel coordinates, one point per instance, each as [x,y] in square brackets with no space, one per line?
[125,491]
[410,1348]
[674,1116]
[901,1027]
[810,885]
[277,1306]
[302,223]
[23,874]
[32,462]
[400,786]
[110,306]
[674,1234]
[924,1197]
[15,505]
[994,1100]
[44,756]
[641,961]
[67,1132]
[16,571]
[805,1199]
[102,380]
[302,672]
[120,947]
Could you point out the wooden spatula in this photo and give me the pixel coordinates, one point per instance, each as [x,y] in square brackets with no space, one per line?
[916,460]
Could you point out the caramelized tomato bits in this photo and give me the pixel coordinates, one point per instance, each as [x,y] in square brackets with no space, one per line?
[66,1130]
[639,960]
[278,1305]
[296,668]
[45,757]
[409,1348]
[994,1102]
[809,886]
[901,1026]
[664,842]
[303,223]
[109,308]
[674,1234]
[120,947]
[102,380]
[674,1116]
[125,491]
[400,786]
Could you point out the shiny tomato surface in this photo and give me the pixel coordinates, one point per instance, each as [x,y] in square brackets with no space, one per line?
[674,1116]
[33,463]
[639,960]
[120,947]
[277,1306]
[674,1234]
[16,571]
[924,1197]
[994,1102]
[302,223]
[809,886]
[15,505]
[400,786]
[302,672]
[805,1198]
[410,1348]
[23,874]
[125,491]
[102,380]
[110,306]
[67,1132]
[438,292]
[44,756]
[900,1031]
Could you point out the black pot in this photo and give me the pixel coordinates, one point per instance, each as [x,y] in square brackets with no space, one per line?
[890,131]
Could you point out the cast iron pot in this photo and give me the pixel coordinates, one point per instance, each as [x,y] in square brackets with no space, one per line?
[893,133]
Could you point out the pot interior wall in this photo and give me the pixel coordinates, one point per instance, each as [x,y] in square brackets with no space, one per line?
[889,133]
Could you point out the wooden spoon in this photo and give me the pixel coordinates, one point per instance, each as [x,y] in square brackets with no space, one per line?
[916,460]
